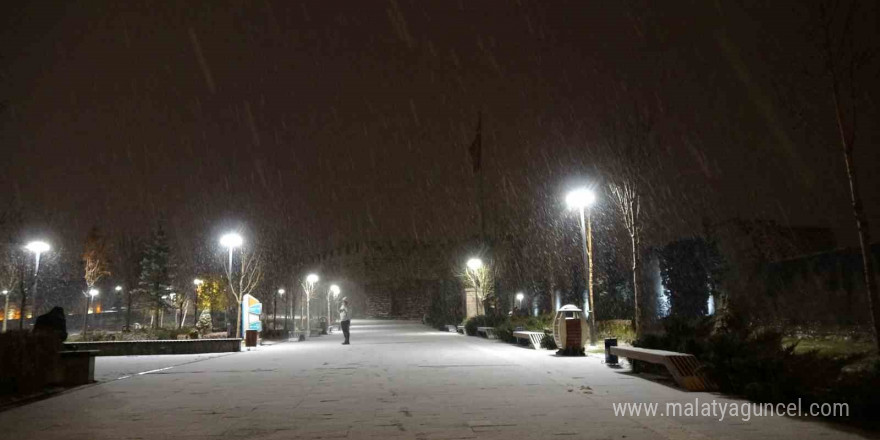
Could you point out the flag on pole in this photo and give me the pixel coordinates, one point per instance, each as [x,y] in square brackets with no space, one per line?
[477,145]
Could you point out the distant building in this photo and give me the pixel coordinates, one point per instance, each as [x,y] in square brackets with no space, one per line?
[391,279]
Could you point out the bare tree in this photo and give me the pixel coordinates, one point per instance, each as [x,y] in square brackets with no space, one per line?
[482,279]
[246,281]
[628,147]
[11,273]
[180,302]
[627,199]
[845,61]
[12,264]
[95,266]
[95,258]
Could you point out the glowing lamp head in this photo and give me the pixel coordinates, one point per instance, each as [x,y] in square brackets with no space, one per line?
[334,289]
[580,198]
[5,292]
[281,291]
[231,240]
[312,278]
[93,292]
[198,282]
[475,264]
[118,288]
[519,296]
[38,247]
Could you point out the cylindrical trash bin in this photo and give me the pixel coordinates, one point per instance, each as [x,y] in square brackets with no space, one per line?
[250,338]
[610,358]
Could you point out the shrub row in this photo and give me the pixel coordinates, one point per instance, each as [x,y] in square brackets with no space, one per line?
[755,363]
[506,325]
[136,335]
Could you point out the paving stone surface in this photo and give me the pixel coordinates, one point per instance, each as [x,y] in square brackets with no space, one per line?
[398,380]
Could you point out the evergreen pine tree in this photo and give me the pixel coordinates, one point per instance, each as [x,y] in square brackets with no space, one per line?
[157,268]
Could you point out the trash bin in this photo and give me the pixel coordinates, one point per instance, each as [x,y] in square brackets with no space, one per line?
[250,338]
[610,359]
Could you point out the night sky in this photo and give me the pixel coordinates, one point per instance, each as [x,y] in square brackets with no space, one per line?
[338,121]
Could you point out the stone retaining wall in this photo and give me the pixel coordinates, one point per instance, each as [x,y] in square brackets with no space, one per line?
[138,348]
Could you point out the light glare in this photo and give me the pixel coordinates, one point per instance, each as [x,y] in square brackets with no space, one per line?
[580,198]
[231,240]
[475,263]
[38,247]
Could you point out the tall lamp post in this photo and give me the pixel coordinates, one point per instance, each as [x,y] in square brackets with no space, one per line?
[5,310]
[232,241]
[285,305]
[38,248]
[582,199]
[308,288]
[278,293]
[334,291]
[118,290]
[475,264]
[91,294]
[196,313]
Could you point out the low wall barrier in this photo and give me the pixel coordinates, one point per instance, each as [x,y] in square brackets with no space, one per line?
[166,346]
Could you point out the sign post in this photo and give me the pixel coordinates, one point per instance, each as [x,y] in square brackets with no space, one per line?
[251,309]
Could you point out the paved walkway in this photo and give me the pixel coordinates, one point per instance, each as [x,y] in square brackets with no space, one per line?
[396,380]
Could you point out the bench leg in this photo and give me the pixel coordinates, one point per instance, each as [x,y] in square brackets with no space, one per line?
[684,369]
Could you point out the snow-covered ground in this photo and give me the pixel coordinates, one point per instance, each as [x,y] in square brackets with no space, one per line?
[396,380]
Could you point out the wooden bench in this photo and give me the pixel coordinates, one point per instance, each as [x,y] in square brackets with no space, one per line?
[489,332]
[451,328]
[534,338]
[76,367]
[683,367]
[460,329]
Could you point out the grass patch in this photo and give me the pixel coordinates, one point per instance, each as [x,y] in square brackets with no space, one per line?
[831,347]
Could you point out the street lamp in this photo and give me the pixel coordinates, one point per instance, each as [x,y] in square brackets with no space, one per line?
[91,294]
[231,241]
[308,288]
[196,314]
[334,291]
[582,199]
[519,298]
[288,312]
[476,264]
[275,309]
[5,310]
[38,248]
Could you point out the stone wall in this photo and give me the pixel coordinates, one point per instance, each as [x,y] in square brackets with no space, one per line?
[407,298]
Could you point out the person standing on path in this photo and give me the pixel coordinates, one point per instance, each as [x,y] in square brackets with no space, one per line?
[345,318]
